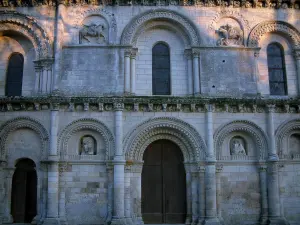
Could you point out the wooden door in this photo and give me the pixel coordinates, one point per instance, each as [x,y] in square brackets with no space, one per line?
[24,192]
[163,184]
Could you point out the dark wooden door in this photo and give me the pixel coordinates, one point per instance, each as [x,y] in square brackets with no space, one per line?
[163,184]
[24,192]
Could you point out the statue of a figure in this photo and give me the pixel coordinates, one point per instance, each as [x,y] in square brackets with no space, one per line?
[230,36]
[87,146]
[237,147]
[92,31]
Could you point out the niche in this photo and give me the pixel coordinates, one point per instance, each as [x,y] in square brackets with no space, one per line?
[238,146]
[87,145]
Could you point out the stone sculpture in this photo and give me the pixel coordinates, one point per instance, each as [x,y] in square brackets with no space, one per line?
[237,147]
[229,36]
[92,34]
[87,146]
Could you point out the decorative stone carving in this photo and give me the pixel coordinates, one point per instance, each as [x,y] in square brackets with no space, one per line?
[132,28]
[274,26]
[237,146]
[90,124]
[230,36]
[258,135]
[181,133]
[23,122]
[14,21]
[88,146]
[92,34]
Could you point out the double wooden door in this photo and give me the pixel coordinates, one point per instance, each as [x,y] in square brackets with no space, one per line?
[163,184]
[24,193]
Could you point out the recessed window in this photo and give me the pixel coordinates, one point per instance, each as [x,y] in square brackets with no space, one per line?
[276,68]
[161,70]
[14,75]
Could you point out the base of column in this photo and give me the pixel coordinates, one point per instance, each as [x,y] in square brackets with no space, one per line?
[118,221]
[212,221]
[277,221]
[52,221]
[263,220]
[128,221]
[139,221]
[188,219]
[7,219]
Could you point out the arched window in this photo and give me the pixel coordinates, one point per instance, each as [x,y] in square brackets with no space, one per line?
[161,70]
[14,75]
[276,67]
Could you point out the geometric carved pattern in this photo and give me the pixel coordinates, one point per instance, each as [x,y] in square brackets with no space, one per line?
[274,26]
[23,122]
[132,28]
[283,132]
[14,21]
[89,124]
[259,137]
[178,131]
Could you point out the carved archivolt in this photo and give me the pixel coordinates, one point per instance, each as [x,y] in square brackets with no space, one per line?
[14,21]
[283,132]
[86,124]
[19,123]
[131,30]
[178,131]
[259,137]
[274,26]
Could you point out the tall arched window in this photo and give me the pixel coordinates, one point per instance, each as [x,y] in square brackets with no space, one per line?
[161,70]
[14,75]
[276,67]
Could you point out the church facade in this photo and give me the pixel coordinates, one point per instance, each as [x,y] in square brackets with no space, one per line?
[150,112]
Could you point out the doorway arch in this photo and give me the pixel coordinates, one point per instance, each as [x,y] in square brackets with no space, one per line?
[24,192]
[163,184]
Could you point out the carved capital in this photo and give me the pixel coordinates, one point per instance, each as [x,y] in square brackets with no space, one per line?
[188,53]
[100,107]
[55,106]
[297,54]
[219,168]
[86,106]
[37,106]
[134,52]
[136,107]
[262,168]
[256,53]
[71,107]
[209,107]
[195,53]
[118,106]
[271,108]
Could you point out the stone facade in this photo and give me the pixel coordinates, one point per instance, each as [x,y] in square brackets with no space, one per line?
[87,112]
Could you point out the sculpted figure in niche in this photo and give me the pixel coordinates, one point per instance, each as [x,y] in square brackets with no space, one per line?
[92,34]
[88,146]
[229,36]
[237,147]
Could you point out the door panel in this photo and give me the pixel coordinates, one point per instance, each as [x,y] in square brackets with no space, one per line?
[163,184]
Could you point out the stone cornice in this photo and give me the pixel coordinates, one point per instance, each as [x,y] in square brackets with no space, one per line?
[150,104]
[198,3]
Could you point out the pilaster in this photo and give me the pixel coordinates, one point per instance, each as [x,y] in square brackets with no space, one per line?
[196,56]
[188,178]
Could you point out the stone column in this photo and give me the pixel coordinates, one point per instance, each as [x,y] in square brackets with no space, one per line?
[7,217]
[119,163]
[219,169]
[136,192]
[127,71]
[256,71]
[195,180]
[188,178]
[201,194]
[38,76]
[132,70]
[297,59]
[127,201]
[110,192]
[52,217]
[196,56]
[210,171]
[272,153]
[188,54]
[264,196]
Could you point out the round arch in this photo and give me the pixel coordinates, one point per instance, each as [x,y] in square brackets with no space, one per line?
[90,124]
[17,22]
[258,135]
[174,19]
[23,122]
[172,129]
[286,29]
[283,132]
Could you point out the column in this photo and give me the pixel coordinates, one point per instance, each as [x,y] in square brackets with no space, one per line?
[195,210]
[127,71]
[188,178]
[272,153]
[119,163]
[110,192]
[219,169]
[188,54]
[196,77]
[210,171]
[297,59]
[132,70]
[256,71]
[53,170]
[38,74]
[136,190]
[201,195]
[127,201]
[263,192]
[7,217]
